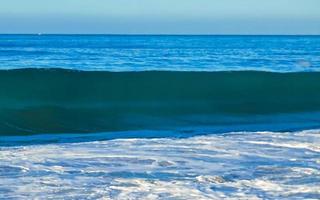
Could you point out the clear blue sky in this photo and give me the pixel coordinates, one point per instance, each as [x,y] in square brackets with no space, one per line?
[161,16]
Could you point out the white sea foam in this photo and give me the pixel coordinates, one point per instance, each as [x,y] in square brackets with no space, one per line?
[249,165]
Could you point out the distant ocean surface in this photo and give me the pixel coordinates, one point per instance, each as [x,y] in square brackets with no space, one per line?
[159,117]
[174,53]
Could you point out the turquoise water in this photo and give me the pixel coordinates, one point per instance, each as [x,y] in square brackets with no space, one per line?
[159,117]
[38,101]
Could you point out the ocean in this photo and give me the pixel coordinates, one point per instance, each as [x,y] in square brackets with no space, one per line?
[159,117]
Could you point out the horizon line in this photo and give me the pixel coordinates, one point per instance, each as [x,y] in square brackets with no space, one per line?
[156,34]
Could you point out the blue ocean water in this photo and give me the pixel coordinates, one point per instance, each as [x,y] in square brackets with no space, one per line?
[176,53]
[159,117]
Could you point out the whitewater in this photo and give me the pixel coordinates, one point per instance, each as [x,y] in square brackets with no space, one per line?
[240,165]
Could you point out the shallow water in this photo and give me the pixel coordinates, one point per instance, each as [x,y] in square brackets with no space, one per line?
[244,165]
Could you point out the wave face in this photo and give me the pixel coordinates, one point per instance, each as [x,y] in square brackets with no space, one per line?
[38,101]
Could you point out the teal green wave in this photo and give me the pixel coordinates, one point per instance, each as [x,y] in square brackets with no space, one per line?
[34,101]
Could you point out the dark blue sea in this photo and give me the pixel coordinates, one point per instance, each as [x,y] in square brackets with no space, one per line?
[173,53]
[159,117]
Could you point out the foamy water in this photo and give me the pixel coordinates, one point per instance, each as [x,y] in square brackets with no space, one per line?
[251,165]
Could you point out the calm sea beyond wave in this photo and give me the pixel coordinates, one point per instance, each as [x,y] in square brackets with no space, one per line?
[159,117]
